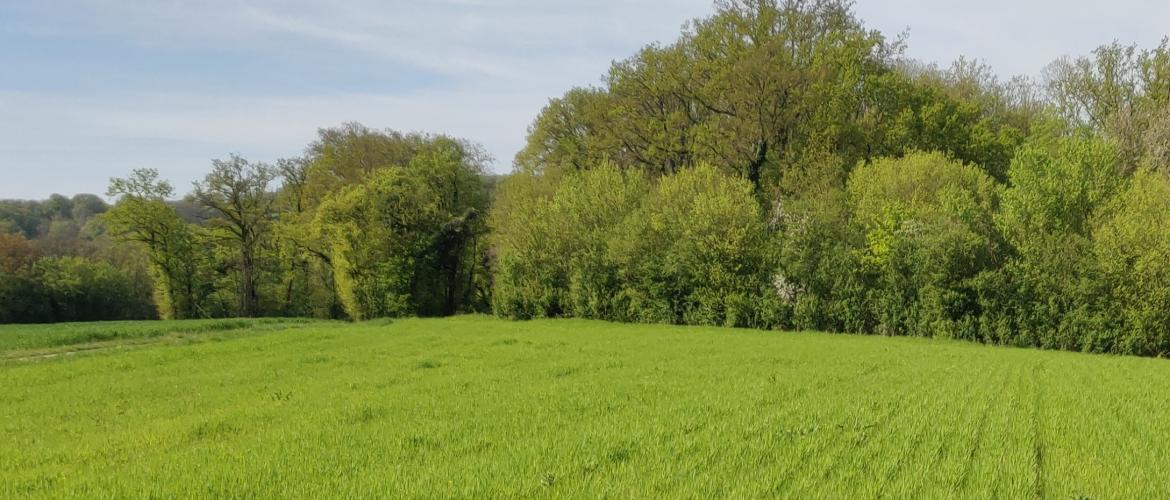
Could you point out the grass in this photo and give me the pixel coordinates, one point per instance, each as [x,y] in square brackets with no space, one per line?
[34,337]
[477,407]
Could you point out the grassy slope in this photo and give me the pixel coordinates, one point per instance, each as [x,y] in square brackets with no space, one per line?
[14,338]
[478,407]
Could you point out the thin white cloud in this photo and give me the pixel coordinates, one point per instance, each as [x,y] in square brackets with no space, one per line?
[1016,37]
[213,126]
[501,62]
[497,61]
[383,46]
[482,38]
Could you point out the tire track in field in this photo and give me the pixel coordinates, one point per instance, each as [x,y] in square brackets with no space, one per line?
[126,344]
[801,391]
[904,458]
[1038,480]
[716,414]
[789,409]
[977,440]
[1014,409]
[941,394]
[832,447]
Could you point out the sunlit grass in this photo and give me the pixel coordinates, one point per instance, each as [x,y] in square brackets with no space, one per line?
[477,407]
[25,337]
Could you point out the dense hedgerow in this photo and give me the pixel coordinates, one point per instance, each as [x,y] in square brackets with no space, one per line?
[55,289]
[1070,255]
[607,244]
[1132,249]
[928,230]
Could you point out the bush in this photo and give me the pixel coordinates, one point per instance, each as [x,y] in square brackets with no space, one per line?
[928,232]
[1132,247]
[819,276]
[694,253]
[405,239]
[1047,294]
[378,230]
[551,239]
[600,244]
[59,289]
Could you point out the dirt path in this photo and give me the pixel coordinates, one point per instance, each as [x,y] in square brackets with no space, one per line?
[173,338]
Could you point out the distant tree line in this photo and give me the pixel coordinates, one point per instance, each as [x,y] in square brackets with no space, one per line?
[58,263]
[366,224]
[779,165]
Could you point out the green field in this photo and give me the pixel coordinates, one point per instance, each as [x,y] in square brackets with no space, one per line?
[23,339]
[478,407]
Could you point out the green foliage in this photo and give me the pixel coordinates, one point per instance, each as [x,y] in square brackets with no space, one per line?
[1132,246]
[551,242]
[378,230]
[764,88]
[406,241]
[1048,294]
[692,253]
[347,155]
[922,246]
[435,265]
[929,230]
[603,245]
[177,257]
[21,299]
[70,269]
[56,338]
[753,90]
[54,289]
[76,289]
[236,191]
[567,135]
[963,111]
[1056,185]
[1120,92]
[778,165]
[35,219]
[819,275]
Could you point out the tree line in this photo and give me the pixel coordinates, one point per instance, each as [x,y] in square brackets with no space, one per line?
[367,224]
[782,166]
[779,165]
[58,264]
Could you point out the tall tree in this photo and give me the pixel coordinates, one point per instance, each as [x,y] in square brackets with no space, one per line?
[236,190]
[1121,92]
[143,216]
[347,155]
[407,239]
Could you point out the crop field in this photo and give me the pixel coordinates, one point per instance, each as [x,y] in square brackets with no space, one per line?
[24,339]
[479,407]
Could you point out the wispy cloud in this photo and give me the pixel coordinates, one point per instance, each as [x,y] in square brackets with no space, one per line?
[201,127]
[93,88]
[173,84]
[1017,37]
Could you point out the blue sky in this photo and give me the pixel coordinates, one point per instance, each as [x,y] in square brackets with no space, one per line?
[91,89]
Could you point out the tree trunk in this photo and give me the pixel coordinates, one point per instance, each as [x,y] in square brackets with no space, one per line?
[248,283]
[757,165]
